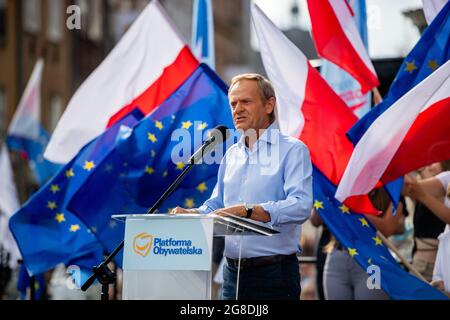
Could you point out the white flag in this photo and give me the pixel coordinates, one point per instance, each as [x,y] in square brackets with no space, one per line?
[9,203]
[149,47]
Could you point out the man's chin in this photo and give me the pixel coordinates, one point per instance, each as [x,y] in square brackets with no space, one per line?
[241,127]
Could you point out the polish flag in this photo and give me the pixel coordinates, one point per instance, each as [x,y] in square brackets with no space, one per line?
[413,132]
[337,39]
[307,107]
[147,65]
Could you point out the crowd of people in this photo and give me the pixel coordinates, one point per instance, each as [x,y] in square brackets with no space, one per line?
[428,192]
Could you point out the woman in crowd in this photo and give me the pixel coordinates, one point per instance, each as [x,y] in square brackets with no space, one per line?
[343,277]
[434,193]
[427,227]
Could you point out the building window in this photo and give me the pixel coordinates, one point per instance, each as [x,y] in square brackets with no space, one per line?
[56,110]
[2,22]
[91,19]
[2,111]
[54,28]
[31,15]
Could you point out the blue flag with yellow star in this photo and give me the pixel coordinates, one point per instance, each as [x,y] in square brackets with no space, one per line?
[360,239]
[46,232]
[430,52]
[24,282]
[144,164]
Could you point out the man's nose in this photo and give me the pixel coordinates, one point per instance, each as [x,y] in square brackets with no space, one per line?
[238,109]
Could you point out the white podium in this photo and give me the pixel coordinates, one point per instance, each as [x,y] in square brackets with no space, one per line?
[168,257]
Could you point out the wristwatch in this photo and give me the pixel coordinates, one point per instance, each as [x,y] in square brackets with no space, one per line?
[249,210]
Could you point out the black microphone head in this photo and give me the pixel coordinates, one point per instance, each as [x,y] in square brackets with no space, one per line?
[221,133]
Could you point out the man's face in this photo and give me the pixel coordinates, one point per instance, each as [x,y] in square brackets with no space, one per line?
[248,110]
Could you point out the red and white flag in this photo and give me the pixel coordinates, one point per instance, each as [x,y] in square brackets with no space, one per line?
[337,39]
[307,107]
[147,65]
[412,133]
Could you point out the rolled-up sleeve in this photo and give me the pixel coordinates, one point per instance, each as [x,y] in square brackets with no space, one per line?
[296,208]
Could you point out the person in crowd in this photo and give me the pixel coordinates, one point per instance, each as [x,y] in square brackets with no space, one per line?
[427,227]
[343,277]
[434,193]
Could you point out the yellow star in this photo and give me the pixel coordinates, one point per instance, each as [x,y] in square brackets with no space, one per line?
[54,188]
[378,241]
[186,124]
[202,126]
[60,217]
[352,252]
[89,165]
[159,125]
[318,205]
[152,137]
[180,166]
[364,222]
[202,187]
[70,173]
[189,203]
[51,205]
[149,170]
[433,65]
[36,286]
[344,209]
[369,261]
[410,67]
[74,228]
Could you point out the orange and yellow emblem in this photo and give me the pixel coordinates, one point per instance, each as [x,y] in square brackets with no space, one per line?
[142,244]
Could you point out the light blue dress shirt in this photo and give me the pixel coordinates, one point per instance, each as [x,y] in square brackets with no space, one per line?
[277,175]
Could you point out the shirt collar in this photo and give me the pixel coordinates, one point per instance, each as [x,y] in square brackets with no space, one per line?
[266,137]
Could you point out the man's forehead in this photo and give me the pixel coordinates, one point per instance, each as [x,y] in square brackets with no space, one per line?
[243,86]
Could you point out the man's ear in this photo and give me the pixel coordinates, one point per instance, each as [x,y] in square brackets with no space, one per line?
[270,105]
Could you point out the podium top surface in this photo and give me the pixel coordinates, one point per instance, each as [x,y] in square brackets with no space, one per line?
[161,216]
[224,225]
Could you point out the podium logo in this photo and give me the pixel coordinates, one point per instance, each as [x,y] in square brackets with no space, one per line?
[142,244]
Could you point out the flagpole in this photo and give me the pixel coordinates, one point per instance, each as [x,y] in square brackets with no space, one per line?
[391,246]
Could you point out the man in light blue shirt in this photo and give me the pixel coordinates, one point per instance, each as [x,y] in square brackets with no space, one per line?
[267,177]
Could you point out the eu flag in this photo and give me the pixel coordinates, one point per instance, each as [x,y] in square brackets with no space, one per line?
[46,232]
[360,239]
[141,167]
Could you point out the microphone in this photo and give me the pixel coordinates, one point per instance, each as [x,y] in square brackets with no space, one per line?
[218,135]
[101,272]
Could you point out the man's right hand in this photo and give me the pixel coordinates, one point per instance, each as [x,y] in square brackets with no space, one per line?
[179,210]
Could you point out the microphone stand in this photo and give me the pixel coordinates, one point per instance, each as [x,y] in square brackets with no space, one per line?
[101,272]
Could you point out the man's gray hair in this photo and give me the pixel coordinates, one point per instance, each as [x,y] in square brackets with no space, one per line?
[266,90]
